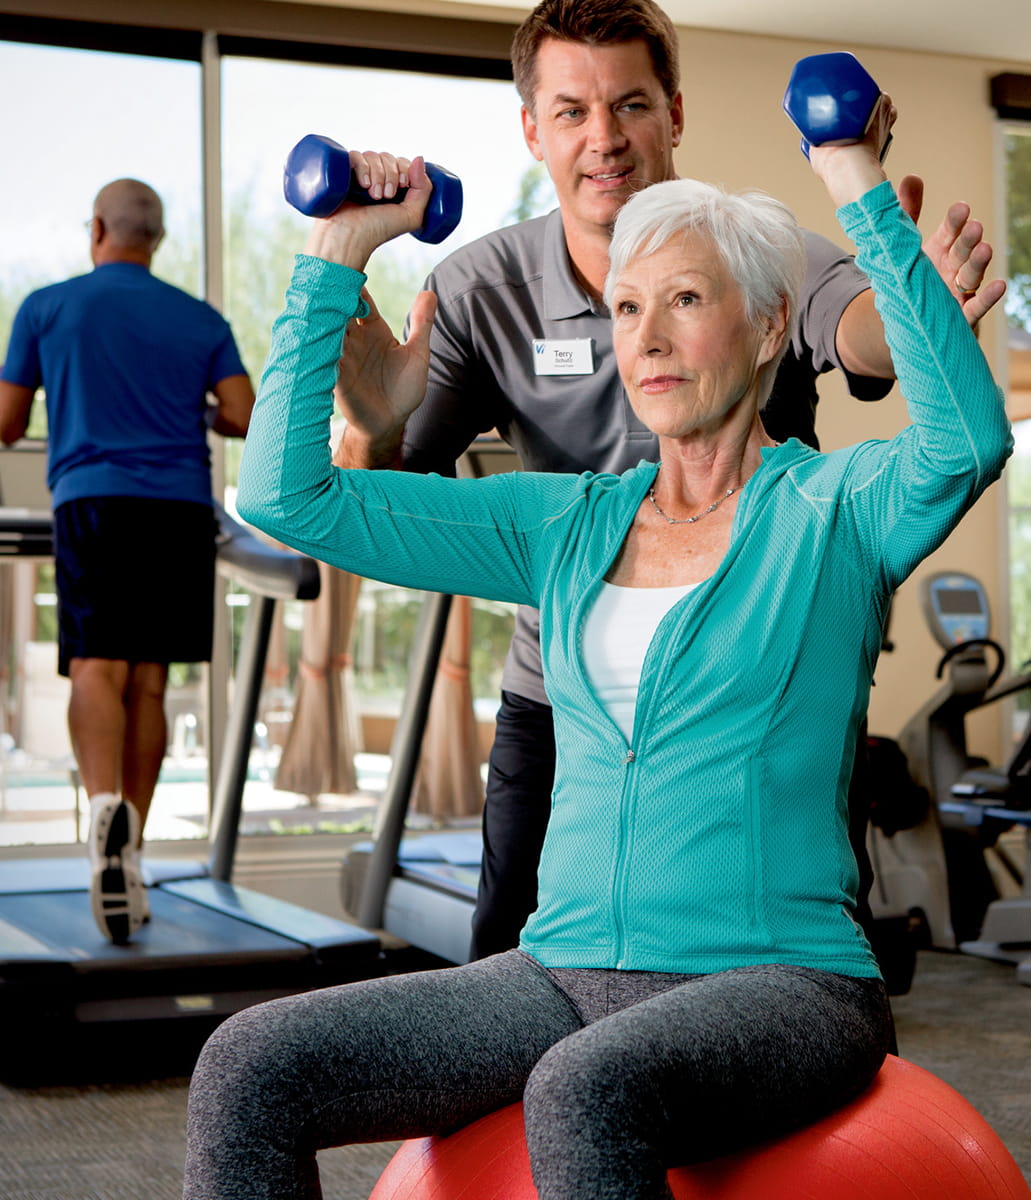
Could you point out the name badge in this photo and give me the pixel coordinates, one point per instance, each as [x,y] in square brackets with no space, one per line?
[571,357]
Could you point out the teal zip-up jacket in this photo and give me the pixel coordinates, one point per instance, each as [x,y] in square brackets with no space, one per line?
[717,837]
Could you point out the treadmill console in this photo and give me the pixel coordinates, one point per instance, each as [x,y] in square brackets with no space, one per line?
[956,608]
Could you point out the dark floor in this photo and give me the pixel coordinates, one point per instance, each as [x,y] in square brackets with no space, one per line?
[969,1022]
[965,1019]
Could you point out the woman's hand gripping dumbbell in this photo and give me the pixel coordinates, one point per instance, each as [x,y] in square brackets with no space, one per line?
[318,177]
[831,99]
[360,201]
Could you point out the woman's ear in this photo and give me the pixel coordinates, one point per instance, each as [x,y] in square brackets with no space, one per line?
[776,332]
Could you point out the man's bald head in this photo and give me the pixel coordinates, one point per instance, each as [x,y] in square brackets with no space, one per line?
[132,218]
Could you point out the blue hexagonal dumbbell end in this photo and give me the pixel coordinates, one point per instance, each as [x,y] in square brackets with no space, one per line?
[830,98]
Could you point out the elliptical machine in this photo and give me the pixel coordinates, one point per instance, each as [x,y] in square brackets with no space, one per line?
[936,869]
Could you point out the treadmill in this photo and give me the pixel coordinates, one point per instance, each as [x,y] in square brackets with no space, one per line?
[421,889]
[72,1005]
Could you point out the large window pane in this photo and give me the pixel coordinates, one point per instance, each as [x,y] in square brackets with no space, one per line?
[469,126]
[88,118]
[1017,142]
[93,117]
[100,116]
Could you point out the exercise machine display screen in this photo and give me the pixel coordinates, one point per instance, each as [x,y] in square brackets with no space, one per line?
[956,608]
[960,602]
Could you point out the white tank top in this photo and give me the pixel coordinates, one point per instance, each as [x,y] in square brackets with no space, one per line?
[617,633]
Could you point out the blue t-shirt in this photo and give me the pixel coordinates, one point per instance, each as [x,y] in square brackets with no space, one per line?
[127,361]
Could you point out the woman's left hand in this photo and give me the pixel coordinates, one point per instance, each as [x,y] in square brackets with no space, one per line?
[350,235]
[850,171]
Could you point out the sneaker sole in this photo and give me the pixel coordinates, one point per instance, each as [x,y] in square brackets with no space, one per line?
[117,893]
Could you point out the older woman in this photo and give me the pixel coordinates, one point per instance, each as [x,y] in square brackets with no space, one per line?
[693,979]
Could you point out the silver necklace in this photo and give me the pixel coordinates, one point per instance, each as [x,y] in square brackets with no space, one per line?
[698,516]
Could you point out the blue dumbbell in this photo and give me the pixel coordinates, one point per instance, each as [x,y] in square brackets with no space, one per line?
[831,98]
[317,180]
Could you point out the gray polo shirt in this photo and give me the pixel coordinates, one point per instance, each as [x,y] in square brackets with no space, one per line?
[519,347]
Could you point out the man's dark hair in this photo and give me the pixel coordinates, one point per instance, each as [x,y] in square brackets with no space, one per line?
[596,23]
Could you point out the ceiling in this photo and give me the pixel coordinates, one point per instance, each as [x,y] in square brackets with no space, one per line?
[989,29]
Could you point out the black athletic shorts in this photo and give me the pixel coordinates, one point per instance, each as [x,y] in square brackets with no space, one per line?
[135,579]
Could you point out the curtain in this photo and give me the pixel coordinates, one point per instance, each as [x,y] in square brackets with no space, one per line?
[325,732]
[448,783]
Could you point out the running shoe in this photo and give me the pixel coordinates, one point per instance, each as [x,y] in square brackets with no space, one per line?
[117,894]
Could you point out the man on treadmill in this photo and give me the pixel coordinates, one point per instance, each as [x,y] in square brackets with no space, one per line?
[127,362]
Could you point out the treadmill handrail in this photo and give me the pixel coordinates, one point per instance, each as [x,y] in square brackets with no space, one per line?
[261,568]
[406,747]
[405,751]
[269,573]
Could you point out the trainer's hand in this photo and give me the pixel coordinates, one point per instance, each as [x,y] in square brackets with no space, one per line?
[350,235]
[380,383]
[959,253]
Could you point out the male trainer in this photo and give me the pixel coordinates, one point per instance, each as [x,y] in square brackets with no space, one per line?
[521,344]
[127,362]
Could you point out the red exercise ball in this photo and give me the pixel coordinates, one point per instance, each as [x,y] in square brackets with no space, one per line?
[908,1137]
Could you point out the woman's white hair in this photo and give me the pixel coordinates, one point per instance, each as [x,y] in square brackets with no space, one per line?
[757,237]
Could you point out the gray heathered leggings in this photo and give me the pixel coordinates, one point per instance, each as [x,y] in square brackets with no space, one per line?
[622,1073]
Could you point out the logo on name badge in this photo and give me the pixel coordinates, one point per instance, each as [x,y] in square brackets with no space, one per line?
[572,356]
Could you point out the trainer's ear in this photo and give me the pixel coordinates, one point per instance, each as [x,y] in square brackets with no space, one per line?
[531,135]
[676,112]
